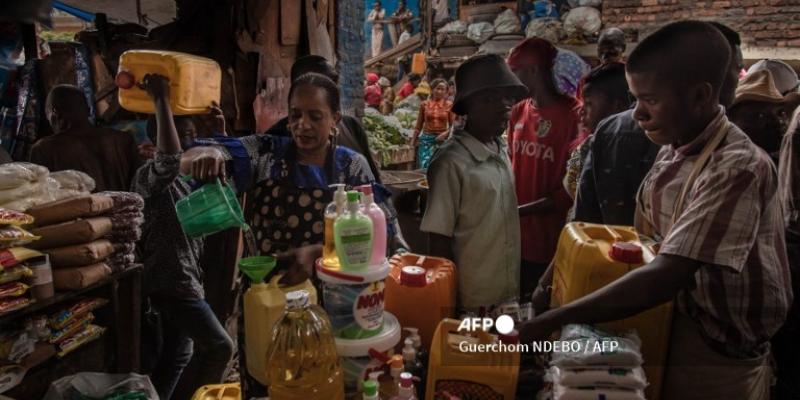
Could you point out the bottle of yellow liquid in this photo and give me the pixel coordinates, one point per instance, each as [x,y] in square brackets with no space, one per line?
[264,305]
[332,211]
[302,361]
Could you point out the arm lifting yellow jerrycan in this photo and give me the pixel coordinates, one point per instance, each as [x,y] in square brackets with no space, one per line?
[590,256]
[195,82]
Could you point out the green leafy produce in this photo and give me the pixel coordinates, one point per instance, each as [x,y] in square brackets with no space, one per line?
[386,135]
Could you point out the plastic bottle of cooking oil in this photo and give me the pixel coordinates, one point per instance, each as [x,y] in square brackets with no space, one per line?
[302,362]
[333,210]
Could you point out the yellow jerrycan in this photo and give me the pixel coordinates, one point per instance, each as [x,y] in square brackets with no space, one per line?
[194,81]
[457,366]
[590,256]
[264,304]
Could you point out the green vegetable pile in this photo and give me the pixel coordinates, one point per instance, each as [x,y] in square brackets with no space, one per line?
[383,135]
[407,118]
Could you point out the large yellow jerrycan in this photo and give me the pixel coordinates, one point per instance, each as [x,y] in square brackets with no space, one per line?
[264,304]
[590,256]
[459,367]
[195,82]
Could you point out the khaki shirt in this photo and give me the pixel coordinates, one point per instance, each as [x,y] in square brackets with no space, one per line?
[472,200]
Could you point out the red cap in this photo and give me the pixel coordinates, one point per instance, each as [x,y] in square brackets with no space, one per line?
[510,337]
[626,252]
[413,276]
[125,80]
[406,379]
[366,189]
[372,78]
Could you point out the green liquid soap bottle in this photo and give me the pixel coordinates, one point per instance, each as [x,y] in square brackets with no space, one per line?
[352,232]
[332,211]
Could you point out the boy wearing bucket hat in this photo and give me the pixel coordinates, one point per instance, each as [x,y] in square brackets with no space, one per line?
[471,215]
[761,111]
[173,274]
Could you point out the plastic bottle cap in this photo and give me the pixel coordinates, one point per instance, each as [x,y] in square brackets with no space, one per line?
[509,338]
[626,252]
[413,334]
[366,189]
[413,276]
[297,299]
[406,379]
[396,362]
[370,388]
[125,80]
[352,196]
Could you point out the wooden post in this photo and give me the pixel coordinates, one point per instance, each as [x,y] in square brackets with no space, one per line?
[29,41]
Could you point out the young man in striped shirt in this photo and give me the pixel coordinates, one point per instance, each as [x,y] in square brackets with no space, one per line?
[711,200]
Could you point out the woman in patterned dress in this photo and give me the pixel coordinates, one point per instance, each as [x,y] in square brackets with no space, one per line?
[433,123]
[287,178]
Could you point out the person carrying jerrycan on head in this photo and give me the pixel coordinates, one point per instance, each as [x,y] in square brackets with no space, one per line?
[174,279]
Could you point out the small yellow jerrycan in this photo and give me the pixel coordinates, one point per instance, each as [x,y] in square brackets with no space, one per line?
[195,82]
[264,304]
[590,256]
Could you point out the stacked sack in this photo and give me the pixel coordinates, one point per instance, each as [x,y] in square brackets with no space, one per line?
[595,365]
[126,220]
[25,185]
[82,234]
[13,260]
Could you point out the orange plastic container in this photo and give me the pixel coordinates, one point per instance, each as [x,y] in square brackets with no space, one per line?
[429,283]
[476,375]
[418,64]
[195,82]
[591,256]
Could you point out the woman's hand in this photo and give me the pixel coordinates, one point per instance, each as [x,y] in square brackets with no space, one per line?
[540,300]
[208,164]
[157,86]
[415,139]
[214,120]
[299,264]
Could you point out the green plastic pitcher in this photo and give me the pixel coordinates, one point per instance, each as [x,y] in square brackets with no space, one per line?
[208,210]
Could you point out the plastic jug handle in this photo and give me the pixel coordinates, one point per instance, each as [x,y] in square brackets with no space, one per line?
[273,283]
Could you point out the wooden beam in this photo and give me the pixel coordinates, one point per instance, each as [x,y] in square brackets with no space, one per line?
[409,45]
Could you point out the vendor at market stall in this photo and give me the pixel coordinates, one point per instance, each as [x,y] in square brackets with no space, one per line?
[712,202]
[288,178]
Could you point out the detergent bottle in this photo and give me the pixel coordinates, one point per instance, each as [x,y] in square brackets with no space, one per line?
[302,362]
[264,305]
[590,256]
[418,282]
[353,232]
[378,225]
[405,388]
[332,211]
[194,82]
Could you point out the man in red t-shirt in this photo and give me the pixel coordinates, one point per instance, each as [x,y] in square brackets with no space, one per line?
[408,88]
[540,131]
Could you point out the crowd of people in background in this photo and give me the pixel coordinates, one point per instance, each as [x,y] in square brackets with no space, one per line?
[675,139]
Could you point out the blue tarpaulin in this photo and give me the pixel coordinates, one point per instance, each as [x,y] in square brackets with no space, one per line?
[75,12]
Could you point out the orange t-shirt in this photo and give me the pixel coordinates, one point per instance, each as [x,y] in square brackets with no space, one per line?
[435,116]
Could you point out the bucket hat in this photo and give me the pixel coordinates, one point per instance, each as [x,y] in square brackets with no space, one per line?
[783,75]
[482,73]
[759,86]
